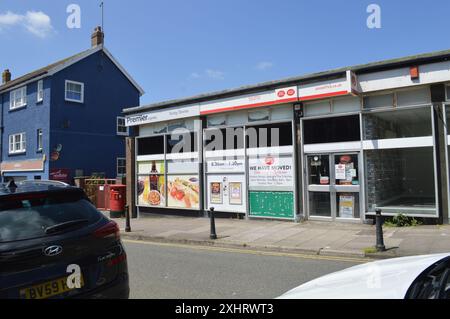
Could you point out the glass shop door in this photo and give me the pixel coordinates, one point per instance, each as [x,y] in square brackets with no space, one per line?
[333,186]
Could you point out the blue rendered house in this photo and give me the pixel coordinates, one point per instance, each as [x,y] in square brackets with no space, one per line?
[64,120]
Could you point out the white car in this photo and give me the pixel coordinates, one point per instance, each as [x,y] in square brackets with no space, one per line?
[417,277]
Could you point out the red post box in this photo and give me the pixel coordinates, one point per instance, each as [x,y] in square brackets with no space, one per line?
[117,200]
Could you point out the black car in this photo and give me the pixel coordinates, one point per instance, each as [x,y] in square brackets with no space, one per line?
[55,244]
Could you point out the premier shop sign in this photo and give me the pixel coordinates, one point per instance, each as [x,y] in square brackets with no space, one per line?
[163,115]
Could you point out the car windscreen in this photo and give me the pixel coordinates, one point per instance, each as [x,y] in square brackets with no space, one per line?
[29,216]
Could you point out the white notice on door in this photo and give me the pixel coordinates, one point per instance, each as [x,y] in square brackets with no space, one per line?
[340,171]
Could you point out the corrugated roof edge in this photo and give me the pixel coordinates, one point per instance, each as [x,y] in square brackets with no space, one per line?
[425,58]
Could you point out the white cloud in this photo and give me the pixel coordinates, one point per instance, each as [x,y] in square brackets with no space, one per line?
[262,66]
[36,22]
[194,75]
[208,73]
[9,19]
[214,74]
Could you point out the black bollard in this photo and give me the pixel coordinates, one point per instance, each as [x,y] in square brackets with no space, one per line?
[213,234]
[127,219]
[379,225]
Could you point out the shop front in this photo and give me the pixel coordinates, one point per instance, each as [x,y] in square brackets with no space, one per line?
[168,174]
[334,146]
[249,154]
[371,152]
[24,170]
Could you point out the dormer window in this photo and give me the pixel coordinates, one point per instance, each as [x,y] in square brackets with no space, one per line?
[18,98]
[74,91]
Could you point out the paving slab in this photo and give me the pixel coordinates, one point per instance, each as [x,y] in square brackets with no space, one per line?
[321,238]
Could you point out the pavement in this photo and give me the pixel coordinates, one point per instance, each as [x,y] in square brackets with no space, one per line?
[310,237]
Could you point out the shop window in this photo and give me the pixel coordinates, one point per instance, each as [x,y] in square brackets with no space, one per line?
[346,104]
[182,143]
[447,92]
[332,130]
[320,203]
[268,135]
[414,97]
[398,124]
[319,170]
[347,205]
[259,115]
[176,125]
[159,128]
[317,108]
[151,145]
[396,185]
[377,101]
[218,120]
[281,113]
[226,138]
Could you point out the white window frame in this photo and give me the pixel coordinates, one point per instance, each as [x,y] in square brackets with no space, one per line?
[40,140]
[117,166]
[124,125]
[22,142]
[13,98]
[82,91]
[40,91]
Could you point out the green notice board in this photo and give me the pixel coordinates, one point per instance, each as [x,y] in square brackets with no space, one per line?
[272,204]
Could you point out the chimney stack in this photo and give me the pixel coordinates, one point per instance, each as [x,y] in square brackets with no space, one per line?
[6,76]
[97,37]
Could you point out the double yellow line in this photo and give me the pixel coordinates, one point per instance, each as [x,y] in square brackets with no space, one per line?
[250,251]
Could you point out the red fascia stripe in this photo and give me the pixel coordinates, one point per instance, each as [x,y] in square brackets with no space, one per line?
[249,106]
[325,95]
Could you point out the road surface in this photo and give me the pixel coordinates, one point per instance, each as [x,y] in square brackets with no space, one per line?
[172,271]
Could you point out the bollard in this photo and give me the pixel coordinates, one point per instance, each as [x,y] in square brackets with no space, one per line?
[127,219]
[213,234]
[379,229]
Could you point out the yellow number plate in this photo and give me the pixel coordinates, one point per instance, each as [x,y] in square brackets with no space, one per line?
[48,289]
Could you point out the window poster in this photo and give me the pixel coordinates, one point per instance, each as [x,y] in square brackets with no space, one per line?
[151,193]
[271,171]
[226,192]
[346,206]
[183,191]
[235,190]
[340,172]
[216,193]
[151,167]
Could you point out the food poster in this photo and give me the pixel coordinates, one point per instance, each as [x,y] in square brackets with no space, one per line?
[151,193]
[183,191]
[151,188]
[232,192]
[151,167]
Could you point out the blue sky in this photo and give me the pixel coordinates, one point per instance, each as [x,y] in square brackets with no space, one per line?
[179,48]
